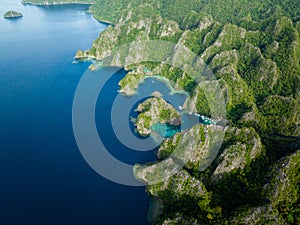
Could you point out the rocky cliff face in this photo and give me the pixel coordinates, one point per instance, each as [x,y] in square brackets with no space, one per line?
[245,145]
[179,219]
[194,147]
[248,73]
[155,110]
[282,194]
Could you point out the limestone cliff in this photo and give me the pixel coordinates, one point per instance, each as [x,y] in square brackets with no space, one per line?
[155,110]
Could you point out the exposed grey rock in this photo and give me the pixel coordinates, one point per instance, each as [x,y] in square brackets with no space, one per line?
[245,146]
[179,219]
[155,110]
[281,191]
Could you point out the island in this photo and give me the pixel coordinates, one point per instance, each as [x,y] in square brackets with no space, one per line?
[12,15]
[156,111]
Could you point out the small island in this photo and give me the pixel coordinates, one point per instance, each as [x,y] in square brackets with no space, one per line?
[12,15]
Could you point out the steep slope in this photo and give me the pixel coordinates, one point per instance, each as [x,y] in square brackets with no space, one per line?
[255,58]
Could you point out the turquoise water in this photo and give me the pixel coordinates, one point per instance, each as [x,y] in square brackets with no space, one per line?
[168,131]
[165,130]
[176,99]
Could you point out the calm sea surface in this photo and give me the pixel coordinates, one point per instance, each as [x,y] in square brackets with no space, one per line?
[44,179]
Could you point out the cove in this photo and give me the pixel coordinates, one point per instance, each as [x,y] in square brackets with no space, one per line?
[44,179]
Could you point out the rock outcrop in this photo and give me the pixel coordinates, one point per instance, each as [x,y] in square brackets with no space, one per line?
[282,193]
[242,147]
[155,110]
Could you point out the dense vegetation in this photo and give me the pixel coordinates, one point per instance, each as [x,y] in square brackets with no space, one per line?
[253,49]
[257,65]
[12,15]
[232,11]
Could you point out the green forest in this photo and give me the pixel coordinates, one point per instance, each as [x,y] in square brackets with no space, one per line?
[257,65]
[259,56]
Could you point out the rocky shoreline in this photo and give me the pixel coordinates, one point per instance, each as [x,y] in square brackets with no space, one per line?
[153,111]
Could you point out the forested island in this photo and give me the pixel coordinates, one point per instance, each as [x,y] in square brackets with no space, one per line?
[12,15]
[253,49]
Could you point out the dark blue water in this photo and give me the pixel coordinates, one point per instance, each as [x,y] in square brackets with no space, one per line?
[103,116]
[105,128]
[44,179]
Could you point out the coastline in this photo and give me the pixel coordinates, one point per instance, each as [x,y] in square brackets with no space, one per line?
[129,91]
[45,3]
[154,206]
[108,23]
[155,209]
[43,43]
[24,2]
